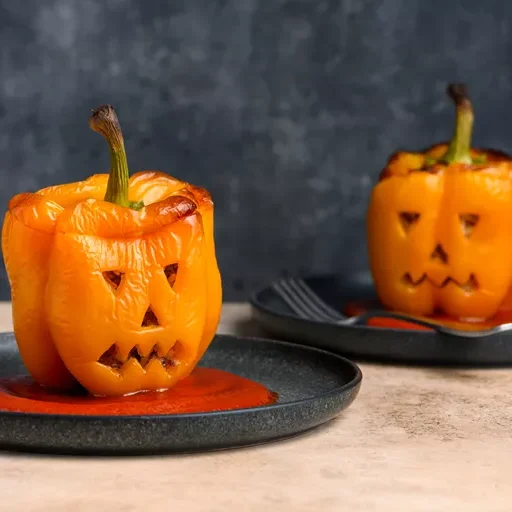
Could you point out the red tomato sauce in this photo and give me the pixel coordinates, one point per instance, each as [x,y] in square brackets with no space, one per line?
[205,390]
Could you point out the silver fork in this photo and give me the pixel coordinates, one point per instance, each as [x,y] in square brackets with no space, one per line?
[306,304]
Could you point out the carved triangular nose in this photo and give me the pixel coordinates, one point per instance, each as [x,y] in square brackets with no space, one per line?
[439,254]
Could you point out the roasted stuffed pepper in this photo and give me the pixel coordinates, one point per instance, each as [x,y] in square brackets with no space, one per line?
[439,226]
[114,280]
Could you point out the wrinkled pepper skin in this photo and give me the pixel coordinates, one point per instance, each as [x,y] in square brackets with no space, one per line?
[440,236]
[96,295]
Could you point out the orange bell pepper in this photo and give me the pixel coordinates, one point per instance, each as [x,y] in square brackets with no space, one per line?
[114,280]
[439,227]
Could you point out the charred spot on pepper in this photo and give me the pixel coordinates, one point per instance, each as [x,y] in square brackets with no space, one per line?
[439,254]
[468,221]
[170,359]
[429,165]
[150,319]
[113,278]
[171,271]
[408,219]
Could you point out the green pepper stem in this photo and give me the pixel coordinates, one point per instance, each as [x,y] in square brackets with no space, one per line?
[104,121]
[460,145]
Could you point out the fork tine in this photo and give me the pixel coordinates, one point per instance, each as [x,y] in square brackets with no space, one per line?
[297,302]
[290,300]
[318,301]
[307,308]
[310,305]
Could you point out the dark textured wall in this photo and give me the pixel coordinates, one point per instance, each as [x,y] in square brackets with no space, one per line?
[285,110]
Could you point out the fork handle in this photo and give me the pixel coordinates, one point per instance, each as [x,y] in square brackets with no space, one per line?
[365,317]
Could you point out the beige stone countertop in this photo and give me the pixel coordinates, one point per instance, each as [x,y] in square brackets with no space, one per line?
[415,440]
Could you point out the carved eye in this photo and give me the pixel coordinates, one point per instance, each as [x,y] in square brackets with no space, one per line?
[408,219]
[113,278]
[170,273]
[468,221]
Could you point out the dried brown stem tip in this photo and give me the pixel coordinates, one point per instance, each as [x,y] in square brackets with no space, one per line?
[460,146]
[459,94]
[104,121]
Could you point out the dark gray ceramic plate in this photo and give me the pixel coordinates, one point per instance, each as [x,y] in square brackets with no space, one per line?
[373,343]
[313,386]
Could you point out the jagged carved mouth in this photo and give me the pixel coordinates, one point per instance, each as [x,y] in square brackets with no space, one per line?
[113,359]
[468,286]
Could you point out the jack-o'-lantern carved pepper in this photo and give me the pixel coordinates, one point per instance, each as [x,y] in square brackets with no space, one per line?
[114,280]
[439,227]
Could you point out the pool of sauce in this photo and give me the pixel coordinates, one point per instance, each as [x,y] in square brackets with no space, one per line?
[354,308]
[205,390]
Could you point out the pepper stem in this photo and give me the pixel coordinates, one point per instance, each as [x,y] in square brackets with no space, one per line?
[460,145]
[104,121]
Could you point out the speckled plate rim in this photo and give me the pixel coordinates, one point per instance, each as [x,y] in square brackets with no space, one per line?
[161,434]
[354,383]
